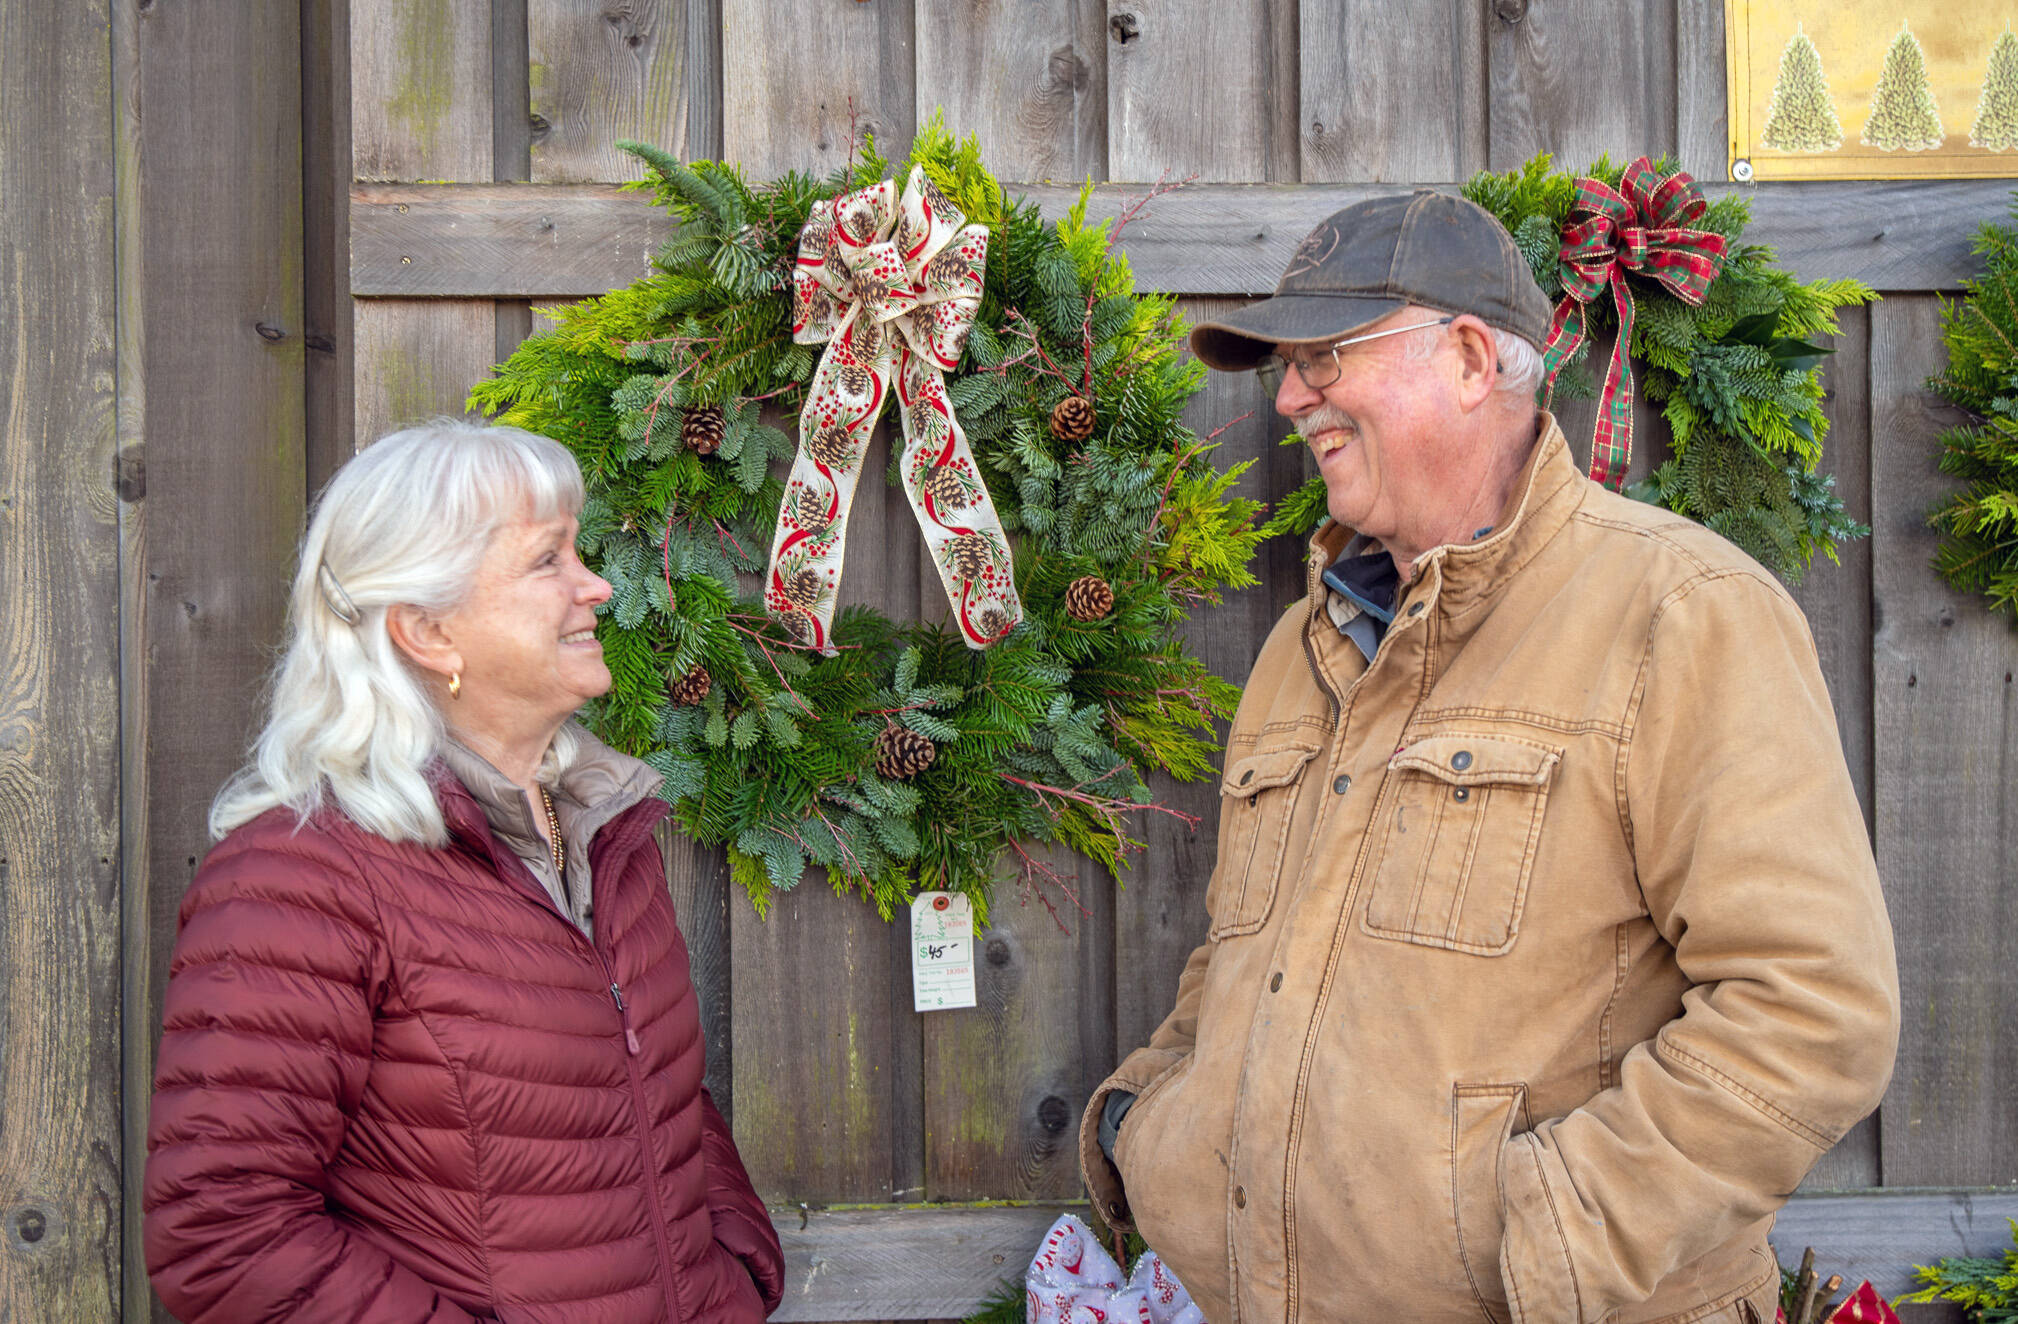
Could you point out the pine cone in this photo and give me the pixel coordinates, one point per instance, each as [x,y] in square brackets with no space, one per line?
[948,269]
[1072,420]
[993,624]
[902,754]
[1088,598]
[856,380]
[802,589]
[832,446]
[944,485]
[691,688]
[809,511]
[701,427]
[969,554]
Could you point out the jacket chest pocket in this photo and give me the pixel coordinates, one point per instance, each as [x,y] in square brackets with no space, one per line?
[1257,797]
[1456,841]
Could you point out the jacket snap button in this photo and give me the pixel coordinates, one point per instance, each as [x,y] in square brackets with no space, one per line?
[1275,983]
[1342,784]
[1461,794]
[1240,1197]
[1461,760]
[1247,777]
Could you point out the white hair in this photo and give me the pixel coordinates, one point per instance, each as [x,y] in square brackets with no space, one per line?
[407,520]
[1520,363]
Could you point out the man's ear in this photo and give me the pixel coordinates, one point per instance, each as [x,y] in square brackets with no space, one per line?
[1477,361]
[423,639]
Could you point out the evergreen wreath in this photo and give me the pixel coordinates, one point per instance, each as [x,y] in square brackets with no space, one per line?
[1738,379]
[906,760]
[1979,523]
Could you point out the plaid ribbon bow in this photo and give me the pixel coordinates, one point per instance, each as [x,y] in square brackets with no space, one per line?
[1640,227]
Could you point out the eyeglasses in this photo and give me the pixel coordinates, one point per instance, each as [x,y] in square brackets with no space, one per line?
[1318,366]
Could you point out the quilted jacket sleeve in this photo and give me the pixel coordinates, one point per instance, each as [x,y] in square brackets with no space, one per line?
[742,1224]
[266,1041]
[1755,865]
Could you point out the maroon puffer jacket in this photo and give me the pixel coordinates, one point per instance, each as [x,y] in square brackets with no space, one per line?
[396,1084]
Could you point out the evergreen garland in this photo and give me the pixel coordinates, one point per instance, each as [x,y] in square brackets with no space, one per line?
[1738,379]
[1979,523]
[1044,737]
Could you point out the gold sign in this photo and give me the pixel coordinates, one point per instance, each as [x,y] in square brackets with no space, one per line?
[1871,89]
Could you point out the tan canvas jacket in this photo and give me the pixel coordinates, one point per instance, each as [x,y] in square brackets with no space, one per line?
[1546,952]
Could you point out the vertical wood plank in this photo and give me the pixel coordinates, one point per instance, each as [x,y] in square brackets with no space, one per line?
[1581,78]
[602,71]
[827,1096]
[226,476]
[420,90]
[1160,914]
[1946,791]
[136,944]
[417,358]
[802,83]
[1393,93]
[1006,1081]
[1702,115]
[1029,78]
[704,80]
[326,302]
[1837,601]
[422,107]
[1192,88]
[60,904]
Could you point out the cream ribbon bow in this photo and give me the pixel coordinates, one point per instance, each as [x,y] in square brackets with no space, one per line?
[892,286]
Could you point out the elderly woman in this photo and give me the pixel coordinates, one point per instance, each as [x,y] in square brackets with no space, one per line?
[430,1048]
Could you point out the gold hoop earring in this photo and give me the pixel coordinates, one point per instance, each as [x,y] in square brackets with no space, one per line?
[455,684]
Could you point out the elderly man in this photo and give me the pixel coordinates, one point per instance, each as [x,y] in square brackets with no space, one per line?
[1546,951]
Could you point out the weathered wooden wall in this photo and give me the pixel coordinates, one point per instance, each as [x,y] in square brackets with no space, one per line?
[330,218]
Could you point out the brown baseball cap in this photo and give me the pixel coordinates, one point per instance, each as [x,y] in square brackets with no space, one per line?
[1434,250]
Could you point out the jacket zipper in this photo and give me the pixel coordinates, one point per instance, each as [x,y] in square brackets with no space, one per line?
[644,1124]
[640,1113]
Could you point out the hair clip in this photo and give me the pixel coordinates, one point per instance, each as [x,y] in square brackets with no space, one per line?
[333,594]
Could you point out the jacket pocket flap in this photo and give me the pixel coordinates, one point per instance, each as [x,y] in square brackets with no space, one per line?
[1480,760]
[1265,770]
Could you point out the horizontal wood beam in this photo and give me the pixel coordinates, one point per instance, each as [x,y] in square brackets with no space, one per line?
[940,1262]
[517,241]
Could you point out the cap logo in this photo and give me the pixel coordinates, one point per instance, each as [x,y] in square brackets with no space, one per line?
[1315,250]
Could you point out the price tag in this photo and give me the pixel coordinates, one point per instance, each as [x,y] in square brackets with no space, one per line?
[942,951]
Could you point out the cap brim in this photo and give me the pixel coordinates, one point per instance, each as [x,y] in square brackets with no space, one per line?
[1240,340]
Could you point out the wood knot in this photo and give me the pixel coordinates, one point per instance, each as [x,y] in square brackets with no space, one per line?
[1125,27]
[271,334]
[1053,1114]
[129,477]
[1510,11]
[997,951]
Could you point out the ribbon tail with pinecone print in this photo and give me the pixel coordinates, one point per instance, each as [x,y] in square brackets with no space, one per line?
[891,285]
[1641,227]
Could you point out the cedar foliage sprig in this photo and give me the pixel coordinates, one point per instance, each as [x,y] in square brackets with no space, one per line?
[1048,735]
[1985,1286]
[1979,522]
[1737,380]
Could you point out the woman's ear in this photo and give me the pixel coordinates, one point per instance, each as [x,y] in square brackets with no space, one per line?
[423,639]
[1477,361]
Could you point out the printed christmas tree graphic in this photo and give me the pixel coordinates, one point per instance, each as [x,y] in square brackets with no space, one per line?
[1801,118]
[1903,116]
[1997,108]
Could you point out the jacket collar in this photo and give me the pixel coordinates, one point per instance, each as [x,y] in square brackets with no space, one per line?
[1547,492]
[493,815]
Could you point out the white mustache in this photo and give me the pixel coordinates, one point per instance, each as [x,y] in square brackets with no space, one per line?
[1323,417]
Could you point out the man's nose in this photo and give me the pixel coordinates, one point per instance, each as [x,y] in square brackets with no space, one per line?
[1293,397]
